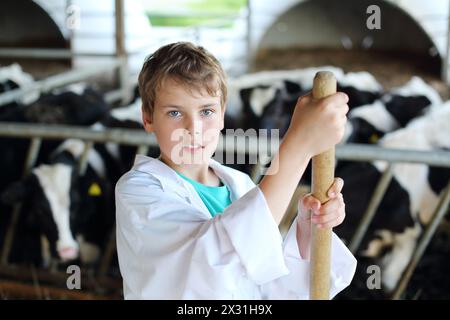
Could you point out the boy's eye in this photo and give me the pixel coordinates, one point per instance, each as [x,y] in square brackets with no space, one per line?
[207,112]
[173,113]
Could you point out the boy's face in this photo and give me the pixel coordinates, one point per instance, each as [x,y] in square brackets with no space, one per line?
[186,123]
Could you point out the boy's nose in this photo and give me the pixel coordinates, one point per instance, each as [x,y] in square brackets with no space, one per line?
[194,127]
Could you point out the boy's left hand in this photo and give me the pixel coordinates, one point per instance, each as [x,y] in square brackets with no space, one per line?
[328,215]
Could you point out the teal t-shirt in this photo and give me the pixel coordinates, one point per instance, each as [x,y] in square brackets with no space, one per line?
[216,199]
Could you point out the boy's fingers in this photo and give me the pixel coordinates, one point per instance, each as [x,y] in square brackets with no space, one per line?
[336,187]
[332,206]
[345,96]
[329,218]
[336,99]
[336,217]
[310,203]
[328,225]
[306,98]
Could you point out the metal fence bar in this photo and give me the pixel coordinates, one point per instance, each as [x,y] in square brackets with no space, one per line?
[137,137]
[59,132]
[113,96]
[82,165]
[45,53]
[375,201]
[58,80]
[109,252]
[430,230]
[49,53]
[368,153]
[32,154]
[143,149]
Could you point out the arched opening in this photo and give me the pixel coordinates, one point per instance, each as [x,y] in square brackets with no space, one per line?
[24,24]
[327,32]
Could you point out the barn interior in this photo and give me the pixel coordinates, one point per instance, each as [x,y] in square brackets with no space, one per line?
[69,81]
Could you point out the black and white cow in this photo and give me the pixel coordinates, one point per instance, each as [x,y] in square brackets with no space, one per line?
[13,151]
[13,77]
[267,99]
[410,198]
[268,86]
[394,110]
[72,216]
[64,108]
[56,204]
[361,87]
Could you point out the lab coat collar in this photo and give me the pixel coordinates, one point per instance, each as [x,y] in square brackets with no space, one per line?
[170,180]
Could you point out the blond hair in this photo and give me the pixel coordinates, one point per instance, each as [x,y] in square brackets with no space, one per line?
[185,62]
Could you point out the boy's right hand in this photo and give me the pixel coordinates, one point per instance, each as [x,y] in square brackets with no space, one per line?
[319,124]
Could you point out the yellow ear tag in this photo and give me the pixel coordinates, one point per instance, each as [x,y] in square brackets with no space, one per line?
[374,138]
[95,190]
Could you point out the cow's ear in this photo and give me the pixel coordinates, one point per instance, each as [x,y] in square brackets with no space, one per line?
[16,192]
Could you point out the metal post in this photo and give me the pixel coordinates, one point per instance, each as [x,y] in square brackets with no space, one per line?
[32,154]
[82,165]
[446,60]
[143,149]
[109,252]
[375,201]
[249,35]
[438,215]
[121,52]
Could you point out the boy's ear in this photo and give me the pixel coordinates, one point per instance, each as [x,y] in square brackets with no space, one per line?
[147,120]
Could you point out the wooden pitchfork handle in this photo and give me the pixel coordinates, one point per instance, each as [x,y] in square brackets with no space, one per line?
[322,179]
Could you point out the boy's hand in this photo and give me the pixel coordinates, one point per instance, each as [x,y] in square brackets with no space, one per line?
[319,124]
[328,215]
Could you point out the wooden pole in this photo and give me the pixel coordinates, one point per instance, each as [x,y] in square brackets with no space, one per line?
[322,179]
[121,52]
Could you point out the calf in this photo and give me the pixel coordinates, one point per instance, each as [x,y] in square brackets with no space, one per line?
[13,77]
[361,88]
[394,110]
[57,204]
[409,201]
[71,215]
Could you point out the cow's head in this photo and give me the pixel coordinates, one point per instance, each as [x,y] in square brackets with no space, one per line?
[404,109]
[49,200]
[359,130]
[68,108]
[270,107]
[358,97]
[369,123]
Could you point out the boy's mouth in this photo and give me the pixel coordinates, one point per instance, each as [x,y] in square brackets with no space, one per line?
[193,148]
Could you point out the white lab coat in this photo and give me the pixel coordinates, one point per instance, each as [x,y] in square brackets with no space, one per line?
[169,247]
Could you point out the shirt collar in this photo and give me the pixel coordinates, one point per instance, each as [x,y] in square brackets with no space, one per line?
[170,180]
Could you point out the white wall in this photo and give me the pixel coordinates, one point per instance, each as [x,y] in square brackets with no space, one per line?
[96,34]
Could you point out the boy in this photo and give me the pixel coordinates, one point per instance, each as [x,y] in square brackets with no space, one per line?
[191,228]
